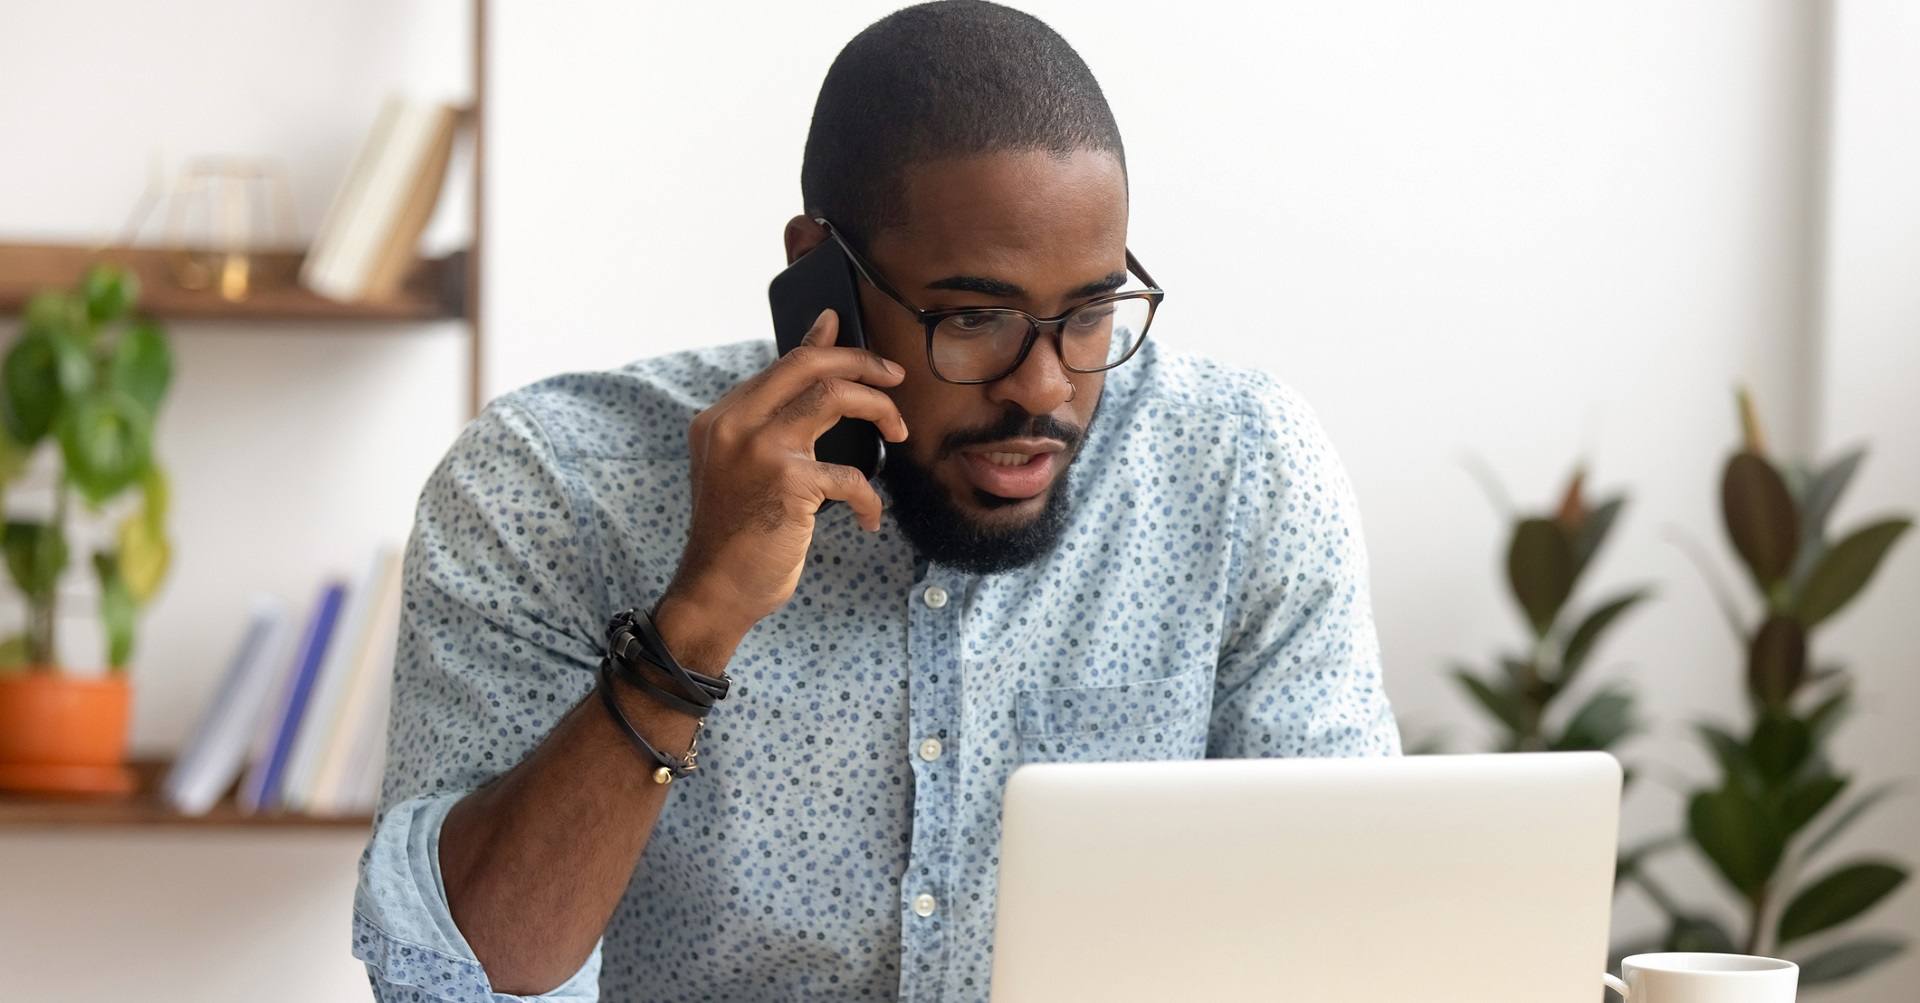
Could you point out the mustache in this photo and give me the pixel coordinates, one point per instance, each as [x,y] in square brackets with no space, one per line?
[1014,423]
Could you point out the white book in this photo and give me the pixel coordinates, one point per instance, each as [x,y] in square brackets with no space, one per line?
[348,268]
[351,728]
[347,200]
[322,716]
[218,750]
[360,787]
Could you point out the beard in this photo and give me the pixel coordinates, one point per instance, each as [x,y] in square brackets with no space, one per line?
[944,533]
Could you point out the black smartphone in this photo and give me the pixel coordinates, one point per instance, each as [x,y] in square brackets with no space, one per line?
[823,278]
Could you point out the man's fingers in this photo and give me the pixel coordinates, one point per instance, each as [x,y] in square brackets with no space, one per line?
[843,483]
[825,329]
[821,406]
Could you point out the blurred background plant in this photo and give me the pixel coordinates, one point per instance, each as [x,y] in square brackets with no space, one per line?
[85,379]
[1547,555]
[1779,801]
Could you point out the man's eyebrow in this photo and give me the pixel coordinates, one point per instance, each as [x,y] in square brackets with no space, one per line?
[1001,289]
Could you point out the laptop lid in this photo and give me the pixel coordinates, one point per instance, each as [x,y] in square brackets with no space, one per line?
[1484,878]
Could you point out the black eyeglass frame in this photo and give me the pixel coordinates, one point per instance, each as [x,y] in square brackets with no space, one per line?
[930,319]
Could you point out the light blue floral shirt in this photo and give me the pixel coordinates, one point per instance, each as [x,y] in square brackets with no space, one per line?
[1209,598]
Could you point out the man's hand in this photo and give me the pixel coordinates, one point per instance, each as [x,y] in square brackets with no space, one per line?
[756,484]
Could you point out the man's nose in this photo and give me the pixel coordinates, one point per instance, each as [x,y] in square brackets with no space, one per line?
[1041,384]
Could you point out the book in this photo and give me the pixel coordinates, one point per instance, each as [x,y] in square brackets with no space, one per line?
[330,684]
[260,790]
[347,201]
[323,793]
[364,730]
[394,181]
[394,258]
[216,752]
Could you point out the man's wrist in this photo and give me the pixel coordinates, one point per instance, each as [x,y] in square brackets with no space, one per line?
[699,633]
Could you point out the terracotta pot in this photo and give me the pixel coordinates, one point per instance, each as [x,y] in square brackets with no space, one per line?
[64,734]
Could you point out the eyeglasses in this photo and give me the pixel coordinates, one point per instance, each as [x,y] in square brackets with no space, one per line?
[984,344]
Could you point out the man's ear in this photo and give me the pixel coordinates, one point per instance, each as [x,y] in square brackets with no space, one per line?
[803,235]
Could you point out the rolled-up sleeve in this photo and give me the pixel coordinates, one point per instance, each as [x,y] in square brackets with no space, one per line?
[1299,671]
[498,639]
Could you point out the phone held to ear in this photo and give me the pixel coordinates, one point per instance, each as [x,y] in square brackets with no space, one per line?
[823,278]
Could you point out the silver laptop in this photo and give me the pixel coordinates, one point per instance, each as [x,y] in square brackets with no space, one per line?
[1441,879]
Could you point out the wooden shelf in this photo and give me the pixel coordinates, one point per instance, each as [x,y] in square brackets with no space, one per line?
[145,809]
[435,290]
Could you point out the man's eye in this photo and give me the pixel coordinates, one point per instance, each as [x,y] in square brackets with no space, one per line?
[973,323]
[1093,317]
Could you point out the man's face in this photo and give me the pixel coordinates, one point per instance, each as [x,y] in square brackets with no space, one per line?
[980,482]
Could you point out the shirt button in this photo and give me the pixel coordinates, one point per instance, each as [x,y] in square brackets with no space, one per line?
[923,905]
[930,749]
[935,596]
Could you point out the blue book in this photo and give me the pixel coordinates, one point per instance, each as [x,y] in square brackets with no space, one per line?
[262,789]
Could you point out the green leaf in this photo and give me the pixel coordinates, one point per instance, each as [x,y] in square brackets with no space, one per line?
[1736,834]
[1540,570]
[1851,814]
[143,558]
[1825,489]
[1777,661]
[1843,961]
[1816,500]
[157,493]
[1593,531]
[1838,897]
[117,609]
[14,652]
[41,370]
[55,311]
[1845,569]
[109,292]
[106,439]
[1606,718]
[142,365]
[1760,517]
[1806,799]
[1828,713]
[36,555]
[1779,746]
[13,456]
[1504,706]
[1580,644]
[1731,753]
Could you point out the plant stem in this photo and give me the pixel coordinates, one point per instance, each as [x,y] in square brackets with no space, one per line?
[1756,922]
[43,612]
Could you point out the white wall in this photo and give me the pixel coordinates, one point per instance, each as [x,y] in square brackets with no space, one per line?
[1533,231]
[1869,363]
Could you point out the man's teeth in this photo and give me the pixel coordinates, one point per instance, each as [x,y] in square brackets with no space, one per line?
[1008,459]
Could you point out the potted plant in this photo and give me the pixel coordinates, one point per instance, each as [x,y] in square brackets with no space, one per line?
[83,381]
[1766,821]
[1547,554]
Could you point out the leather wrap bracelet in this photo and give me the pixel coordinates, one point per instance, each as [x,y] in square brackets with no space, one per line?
[637,655]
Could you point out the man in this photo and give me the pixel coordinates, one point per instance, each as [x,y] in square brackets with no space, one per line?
[1092,550]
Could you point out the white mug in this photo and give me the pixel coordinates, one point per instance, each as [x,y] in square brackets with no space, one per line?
[1705,978]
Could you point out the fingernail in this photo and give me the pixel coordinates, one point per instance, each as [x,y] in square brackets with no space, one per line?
[822,319]
[895,368]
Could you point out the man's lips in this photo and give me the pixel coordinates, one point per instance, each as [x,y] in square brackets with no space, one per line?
[1012,468]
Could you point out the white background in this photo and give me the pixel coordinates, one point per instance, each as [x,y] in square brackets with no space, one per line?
[1530,232]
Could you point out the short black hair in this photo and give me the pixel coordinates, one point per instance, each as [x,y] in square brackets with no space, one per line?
[936,80]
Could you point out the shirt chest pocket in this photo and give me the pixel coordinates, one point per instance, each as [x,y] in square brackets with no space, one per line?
[1147,719]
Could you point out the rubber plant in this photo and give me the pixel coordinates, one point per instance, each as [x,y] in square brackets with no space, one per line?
[1767,823]
[84,380]
[1547,555]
